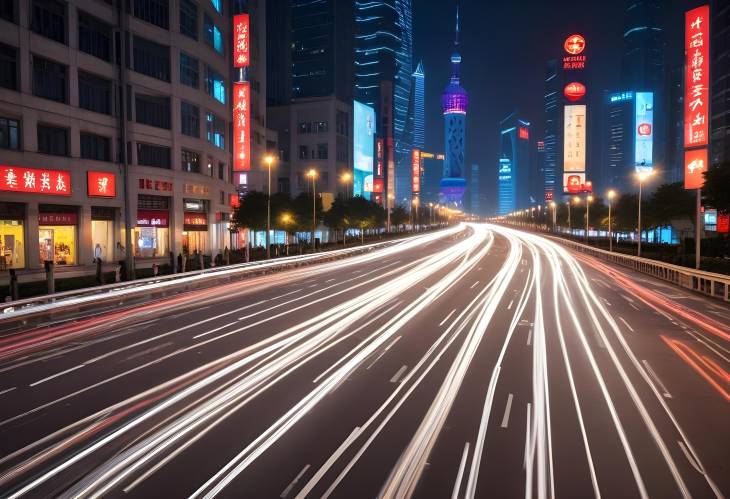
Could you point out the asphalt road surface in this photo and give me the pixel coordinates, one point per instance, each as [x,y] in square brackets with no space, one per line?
[477,361]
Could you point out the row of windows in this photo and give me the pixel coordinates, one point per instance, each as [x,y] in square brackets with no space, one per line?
[55,140]
[48,19]
[50,78]
[313,127]
[190,161]
[321,152]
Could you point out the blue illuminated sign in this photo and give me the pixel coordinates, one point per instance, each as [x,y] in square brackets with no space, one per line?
[643,130]
[363,149]
[621,96]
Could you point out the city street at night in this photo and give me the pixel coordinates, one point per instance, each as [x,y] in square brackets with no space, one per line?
[474,361]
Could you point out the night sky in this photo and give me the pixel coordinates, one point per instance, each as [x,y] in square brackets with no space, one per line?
[504,47]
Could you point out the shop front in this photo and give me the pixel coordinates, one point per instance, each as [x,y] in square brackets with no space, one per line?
[151,237]
[12,236]
[195,226]
[102,232]
[58,234]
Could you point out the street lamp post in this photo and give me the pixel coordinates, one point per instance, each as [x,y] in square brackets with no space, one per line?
[642,176]
[269,160]
[555,208]
[388,198]
[589,198]
[313,175]
[415,213]
[611,194]
[347,179]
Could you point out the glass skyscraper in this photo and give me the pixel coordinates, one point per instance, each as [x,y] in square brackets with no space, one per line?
[419,107]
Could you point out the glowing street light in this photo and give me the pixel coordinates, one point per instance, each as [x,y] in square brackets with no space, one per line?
[589,199]
[642,176]
[346,178]
[269,160]
[611,195]
[554,207]
[312,173]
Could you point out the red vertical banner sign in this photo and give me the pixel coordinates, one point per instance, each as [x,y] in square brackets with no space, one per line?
[416,171]
[697,76]
[241,126]
[241,41]
[695,164]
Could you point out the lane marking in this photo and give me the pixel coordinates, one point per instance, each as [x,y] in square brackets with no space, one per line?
[149,350]
[509,307]
[633,306]
[392,343]
[472,286]
[375,360]
[529,337]
[328,464]
[447,317]
[294,482]
[399,374]
[56,375]
[507,409]
[689,457]
[628,298]
[460,474]
[330,280]
[653,375]
[625,323]
[8,390]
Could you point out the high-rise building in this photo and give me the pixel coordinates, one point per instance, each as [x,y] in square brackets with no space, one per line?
[553,140]
[279,52]
[67,134]
[322,49]
[454,103]
[419,107]
[383,52]
[513,183]
[642,64]
[474,193]
[720,86]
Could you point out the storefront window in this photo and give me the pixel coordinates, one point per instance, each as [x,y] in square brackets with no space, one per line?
[151,242]
[195,240]
[102,239]
[57,243]
[12,248]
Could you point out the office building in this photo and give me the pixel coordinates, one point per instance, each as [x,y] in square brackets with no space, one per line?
[552,165]
[419,107]
[720,74]
[65,138]
[513,182]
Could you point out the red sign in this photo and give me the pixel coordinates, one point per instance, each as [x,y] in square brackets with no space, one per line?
[241,41]
[723,223]
[152,218]
[101,184]
[523,133]
[416,171]
[574,44]
[588,186]
[191,218]
[241,126]
[155,185]
[573,184]
[17,179]
[695,164]
[378,185]
[644,129]
[380,152]
[549,196]
[57,219]
[697,76]
[235,201]
[574,62]
[574,91]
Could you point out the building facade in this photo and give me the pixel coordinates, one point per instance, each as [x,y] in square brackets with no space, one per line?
[553,138]
[419,107]
[65,137]
[513,179]
[720,74]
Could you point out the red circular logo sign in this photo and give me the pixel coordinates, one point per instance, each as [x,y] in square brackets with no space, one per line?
[645,129]
[574,44]
[574,91]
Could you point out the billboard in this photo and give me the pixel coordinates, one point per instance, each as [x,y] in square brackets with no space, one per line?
[241,126]
[695,164]
[38,181]
[241,41]
[363,149]
[697,76]
[416,171]
[101,184]
[573,182]
[643,130]
[574,142]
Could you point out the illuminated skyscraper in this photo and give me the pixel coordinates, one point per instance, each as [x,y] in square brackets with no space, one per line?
[552,166]
[419,107]
[383,52]
[514,165]
[454,102]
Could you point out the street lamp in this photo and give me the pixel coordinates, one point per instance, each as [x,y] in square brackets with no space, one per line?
[346,178]
[269,160]
[589,199]
[286,220]
[641,176]
[312,173]
[415,214]
[554,207]
[611,195]
[576,200]
[389,198]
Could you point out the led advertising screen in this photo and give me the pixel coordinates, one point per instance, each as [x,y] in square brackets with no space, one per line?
[241,127]
[643,130]
[364,149]
[574,142]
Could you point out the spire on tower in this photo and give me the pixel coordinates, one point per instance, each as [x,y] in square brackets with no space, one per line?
[456,40]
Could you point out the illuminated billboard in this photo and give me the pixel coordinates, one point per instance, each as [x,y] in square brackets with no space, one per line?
[416,171]
[643,130]
[695,164]
[363,149]
[241,126]
[697,77]
[241,42]
[574,143]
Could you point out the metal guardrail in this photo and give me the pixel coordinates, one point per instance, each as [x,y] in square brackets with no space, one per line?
[707,283]
[160,286]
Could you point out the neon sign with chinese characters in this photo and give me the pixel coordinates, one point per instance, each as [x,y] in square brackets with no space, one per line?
[697,76]
[241,126]
[101,184]
[38,181]
[241,41]
[416,171]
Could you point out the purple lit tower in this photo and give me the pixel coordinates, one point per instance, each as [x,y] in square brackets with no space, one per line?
[454,102]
